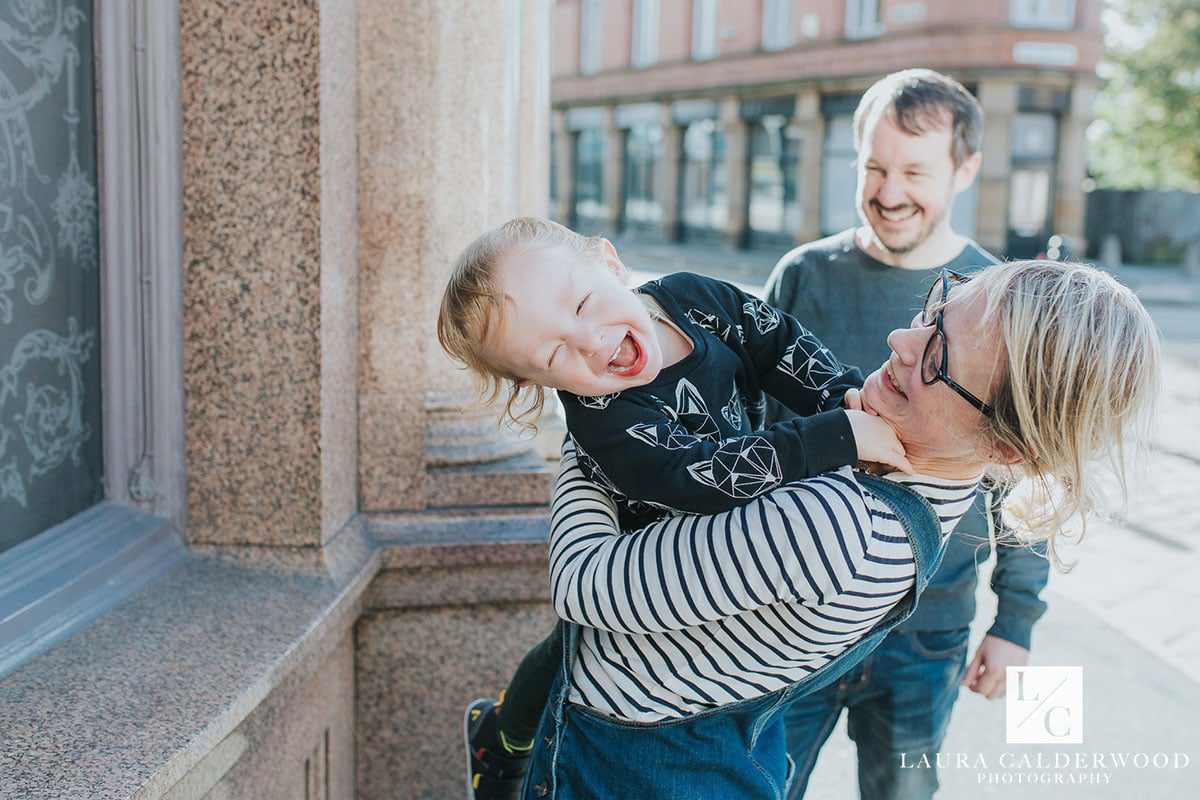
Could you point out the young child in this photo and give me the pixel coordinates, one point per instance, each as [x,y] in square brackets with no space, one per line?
[663,390]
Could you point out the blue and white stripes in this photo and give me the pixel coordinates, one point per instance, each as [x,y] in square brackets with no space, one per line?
[698,611]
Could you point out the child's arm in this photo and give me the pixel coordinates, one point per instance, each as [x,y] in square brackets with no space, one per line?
[647,455]
[796,369]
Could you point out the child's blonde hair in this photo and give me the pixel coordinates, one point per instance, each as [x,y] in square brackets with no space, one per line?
[1081,391]
[473,304]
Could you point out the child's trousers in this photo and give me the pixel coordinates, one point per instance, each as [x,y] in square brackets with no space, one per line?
[529,689]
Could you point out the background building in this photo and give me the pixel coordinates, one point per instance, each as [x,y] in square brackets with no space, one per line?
[731,119]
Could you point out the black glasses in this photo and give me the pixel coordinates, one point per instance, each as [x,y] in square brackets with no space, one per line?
[936,358]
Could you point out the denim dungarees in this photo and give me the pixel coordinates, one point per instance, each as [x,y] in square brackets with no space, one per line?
[726,753]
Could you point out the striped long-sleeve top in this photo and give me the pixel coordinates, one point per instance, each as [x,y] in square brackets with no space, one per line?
[695,612]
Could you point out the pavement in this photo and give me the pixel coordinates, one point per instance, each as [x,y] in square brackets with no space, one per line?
[1128,613]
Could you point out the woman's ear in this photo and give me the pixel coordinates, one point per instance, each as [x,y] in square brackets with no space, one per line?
[1006,456]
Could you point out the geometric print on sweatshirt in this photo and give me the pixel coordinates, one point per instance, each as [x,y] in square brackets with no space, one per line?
[742,468]
[810,363]
[599,402]
[715,325]
[733,412]
[691,411]
[766,318]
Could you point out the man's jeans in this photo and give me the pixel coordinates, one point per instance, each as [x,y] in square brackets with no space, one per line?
[899,700]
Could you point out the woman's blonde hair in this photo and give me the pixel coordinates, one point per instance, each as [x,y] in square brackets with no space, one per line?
[473,304]
[1081,392]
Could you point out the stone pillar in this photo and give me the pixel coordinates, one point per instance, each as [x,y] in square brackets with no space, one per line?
[737,178]
[808,172]
[270,278]
[1069,200]
[440,160]
[614,173]
[564,164]
[999,101]
[667,174]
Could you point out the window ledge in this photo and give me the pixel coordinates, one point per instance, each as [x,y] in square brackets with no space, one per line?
[62,579]
[158,682]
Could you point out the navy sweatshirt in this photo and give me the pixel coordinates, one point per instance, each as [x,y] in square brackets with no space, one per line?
[692,440]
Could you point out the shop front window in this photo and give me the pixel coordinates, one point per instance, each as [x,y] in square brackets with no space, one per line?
[643,148]
[589,175]
[774,160]
[704,204]
[1034,143]
[838,175]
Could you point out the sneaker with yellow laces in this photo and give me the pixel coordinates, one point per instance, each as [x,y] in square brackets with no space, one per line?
[494,771]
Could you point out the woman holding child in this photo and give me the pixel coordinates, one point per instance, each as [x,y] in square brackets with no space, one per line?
[685,640]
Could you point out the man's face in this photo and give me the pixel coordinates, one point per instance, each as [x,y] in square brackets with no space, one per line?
[906,184]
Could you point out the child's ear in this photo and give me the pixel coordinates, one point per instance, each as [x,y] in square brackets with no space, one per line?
[614,263]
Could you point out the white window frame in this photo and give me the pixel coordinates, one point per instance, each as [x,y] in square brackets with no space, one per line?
[862,19]
[61,579]
[1042,14]
[590,14]
[644,50]
[777,25]
[704,29]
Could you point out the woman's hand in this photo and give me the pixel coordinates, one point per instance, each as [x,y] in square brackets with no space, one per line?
[876,440]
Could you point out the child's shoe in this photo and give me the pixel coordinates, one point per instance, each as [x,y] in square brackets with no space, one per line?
[493,772]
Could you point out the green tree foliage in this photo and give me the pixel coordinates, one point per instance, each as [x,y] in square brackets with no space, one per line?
[1147,133]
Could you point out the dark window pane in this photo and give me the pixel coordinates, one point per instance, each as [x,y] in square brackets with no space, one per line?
[50,454]
[589,175]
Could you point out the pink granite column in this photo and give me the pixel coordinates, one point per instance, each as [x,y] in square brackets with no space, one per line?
[812,151]
[999,101]
[444,152]
[666,173]
[1072,167]
[614,173]
[737,171]
[270,270]
[564,162]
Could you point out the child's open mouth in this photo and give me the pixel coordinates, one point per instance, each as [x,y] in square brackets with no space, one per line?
[628,360]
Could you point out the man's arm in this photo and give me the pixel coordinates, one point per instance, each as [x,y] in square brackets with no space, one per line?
[1018,579]
[686,571]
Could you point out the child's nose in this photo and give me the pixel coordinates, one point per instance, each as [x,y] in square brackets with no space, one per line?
[590,341]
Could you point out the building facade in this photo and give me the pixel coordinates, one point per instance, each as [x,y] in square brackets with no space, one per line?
[254,541]
[730,120]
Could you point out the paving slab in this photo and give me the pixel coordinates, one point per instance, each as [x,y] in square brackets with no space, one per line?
[1133,703]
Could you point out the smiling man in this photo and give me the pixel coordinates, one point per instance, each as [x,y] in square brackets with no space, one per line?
[918,136]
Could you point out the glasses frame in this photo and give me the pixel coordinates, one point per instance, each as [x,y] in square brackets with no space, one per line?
[939,332]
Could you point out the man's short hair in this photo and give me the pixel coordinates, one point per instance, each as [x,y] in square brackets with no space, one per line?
[918,99]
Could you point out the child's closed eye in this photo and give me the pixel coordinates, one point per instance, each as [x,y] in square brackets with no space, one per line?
[582,303]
